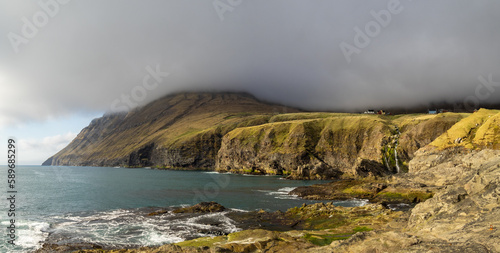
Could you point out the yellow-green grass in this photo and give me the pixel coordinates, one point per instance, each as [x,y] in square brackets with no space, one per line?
[464,132]
[303,134]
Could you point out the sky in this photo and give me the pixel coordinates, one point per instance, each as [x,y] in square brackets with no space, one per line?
[65,62]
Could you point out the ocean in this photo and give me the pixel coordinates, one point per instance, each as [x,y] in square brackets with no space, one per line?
[109,206]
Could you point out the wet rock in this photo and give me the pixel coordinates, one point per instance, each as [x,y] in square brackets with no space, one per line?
[376,191]
[70,247]
[203,207]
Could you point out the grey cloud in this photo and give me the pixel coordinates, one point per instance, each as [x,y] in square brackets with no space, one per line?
[286,51]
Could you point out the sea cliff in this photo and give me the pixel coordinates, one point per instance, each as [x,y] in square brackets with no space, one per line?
[235,132]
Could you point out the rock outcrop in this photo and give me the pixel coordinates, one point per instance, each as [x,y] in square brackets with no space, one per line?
[386,191]
[468,207]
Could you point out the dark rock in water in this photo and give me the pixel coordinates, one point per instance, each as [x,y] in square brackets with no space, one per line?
[203,207]
[48,247]
[158,212]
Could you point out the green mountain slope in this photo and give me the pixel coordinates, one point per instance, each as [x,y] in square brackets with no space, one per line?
[181,130]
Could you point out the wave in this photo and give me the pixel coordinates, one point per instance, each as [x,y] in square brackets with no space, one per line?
[211,172]
[132,228]
[29,234]
[218,173]
[353,202]
[400,206]
[282,193]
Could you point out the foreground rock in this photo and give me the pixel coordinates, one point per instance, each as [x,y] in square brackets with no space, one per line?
[386,191]
[467,210]
[461,217]
[203,207]
[299,229]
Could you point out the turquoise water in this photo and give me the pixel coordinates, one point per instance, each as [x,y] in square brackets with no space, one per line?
[109,206]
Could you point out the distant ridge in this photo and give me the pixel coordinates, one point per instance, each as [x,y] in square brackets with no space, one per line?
[178,130]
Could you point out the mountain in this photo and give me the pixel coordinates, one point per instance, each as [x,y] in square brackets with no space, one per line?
[235,132]
[180,130]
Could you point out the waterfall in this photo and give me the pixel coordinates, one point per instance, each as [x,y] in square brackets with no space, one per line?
[396,151]
[385,159]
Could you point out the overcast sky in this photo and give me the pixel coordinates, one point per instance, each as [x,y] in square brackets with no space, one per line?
[65,62]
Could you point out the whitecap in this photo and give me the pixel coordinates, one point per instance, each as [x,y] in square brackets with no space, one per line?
[30,234]
[128,228]
[283,193]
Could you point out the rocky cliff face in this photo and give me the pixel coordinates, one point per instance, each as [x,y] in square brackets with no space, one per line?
[418,131]
[461,217]
[309,145]
[314,148]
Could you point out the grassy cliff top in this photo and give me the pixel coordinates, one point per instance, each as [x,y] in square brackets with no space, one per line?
[413,119]
[480,129]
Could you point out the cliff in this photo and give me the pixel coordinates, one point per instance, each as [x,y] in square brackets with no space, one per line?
[306,148]
[236,132]
[327,145]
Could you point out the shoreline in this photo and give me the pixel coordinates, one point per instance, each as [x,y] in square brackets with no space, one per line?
[294,219]
[460,215]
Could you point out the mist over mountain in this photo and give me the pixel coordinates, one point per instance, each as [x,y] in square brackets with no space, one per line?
[322,55]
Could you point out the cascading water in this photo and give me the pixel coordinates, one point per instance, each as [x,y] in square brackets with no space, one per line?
[385,159]
[396,151]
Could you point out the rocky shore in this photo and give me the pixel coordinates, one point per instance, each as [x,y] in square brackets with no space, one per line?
[299,228]
[446,197]
[455,197]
